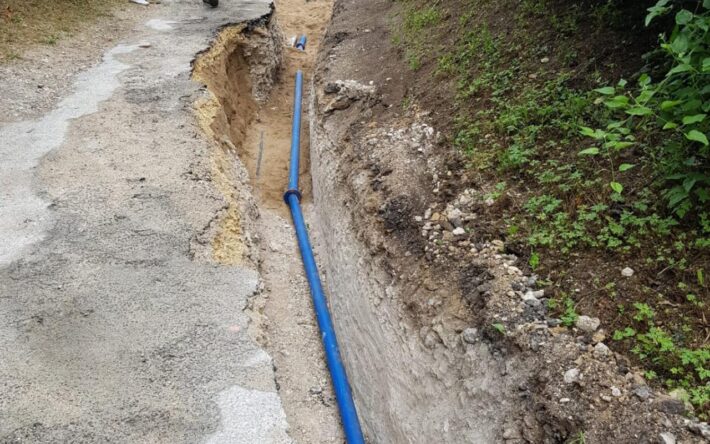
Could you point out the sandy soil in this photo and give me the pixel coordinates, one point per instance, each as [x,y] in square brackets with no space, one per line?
[250,117]
[290,333]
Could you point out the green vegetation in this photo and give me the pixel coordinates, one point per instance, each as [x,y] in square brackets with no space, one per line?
[579,438]
[606,162]
[412,36]
[685,368]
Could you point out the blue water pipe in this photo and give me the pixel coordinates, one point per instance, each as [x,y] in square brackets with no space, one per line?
[341,386]
[301,43]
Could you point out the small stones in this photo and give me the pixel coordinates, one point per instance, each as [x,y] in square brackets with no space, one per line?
[671,406]
[545,60]
[553,323]
[601,351]
[598,336]
[532,280]
[643,392]
[700,428]
[514,271]
[512,432]
[615,392]
[458,231]
[627,272]
[572,375]
[667,438]
[470,335]
[587,324]
[454,217]
[531,299]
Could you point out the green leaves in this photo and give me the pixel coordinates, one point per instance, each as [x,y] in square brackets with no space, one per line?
[668,104]
[689,120]
[595,134]
[639,111]
[617,102]
[683,17]
[677,104]
[607,90]
[697,136]
[589,152]
[657,10]
[628,332]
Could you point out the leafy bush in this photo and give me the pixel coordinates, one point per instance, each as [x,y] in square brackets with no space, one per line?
[675,107]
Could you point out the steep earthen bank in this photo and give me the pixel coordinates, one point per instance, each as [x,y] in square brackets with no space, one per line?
[444,337]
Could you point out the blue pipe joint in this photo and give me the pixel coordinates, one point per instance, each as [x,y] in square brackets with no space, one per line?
[301,43]
[290,192]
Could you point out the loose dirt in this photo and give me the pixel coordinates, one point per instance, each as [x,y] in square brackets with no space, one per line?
[249,114]
[284,308]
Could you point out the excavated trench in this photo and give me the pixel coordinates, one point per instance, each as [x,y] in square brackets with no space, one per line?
[407,388]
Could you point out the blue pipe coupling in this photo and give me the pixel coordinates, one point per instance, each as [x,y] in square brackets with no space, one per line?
[341,386]
[301,43]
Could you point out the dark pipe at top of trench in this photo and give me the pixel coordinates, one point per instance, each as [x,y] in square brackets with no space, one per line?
[341,386]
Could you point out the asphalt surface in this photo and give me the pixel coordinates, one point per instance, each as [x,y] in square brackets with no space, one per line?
[110,329]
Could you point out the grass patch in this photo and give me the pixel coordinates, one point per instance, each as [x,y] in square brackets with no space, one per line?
[413,34]
[24,23]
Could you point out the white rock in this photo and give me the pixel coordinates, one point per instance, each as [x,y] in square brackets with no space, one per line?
[458,231]
[454,217]
[587,324]
[627,272]
[529,296]
[571,375]
[667,438]
[615,392]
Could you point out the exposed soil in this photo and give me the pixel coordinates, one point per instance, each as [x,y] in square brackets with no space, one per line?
[250,73]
